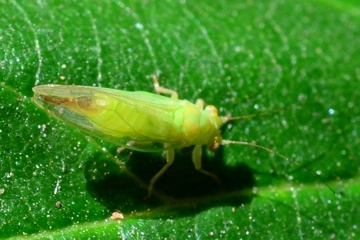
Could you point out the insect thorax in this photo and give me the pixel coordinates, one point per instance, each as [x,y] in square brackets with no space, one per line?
[199,127]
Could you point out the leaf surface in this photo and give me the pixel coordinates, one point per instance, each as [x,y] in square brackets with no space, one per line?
[245,58]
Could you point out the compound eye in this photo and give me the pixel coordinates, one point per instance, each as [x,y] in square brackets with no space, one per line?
[215,145]
[212,109]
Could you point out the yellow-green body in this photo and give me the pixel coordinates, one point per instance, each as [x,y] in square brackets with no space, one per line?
[136,120]
[139,121]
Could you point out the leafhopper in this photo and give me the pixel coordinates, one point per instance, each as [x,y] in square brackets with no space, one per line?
[139,121]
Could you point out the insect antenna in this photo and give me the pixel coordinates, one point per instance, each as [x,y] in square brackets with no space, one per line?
[227,142]
[230,118]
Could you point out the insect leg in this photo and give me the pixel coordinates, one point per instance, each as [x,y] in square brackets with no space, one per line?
[159,89]
[169,160]
[196,158]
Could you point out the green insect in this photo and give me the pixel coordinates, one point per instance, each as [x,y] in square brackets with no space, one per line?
[139,121]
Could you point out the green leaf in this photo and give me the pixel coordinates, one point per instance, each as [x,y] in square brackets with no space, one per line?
[301,57]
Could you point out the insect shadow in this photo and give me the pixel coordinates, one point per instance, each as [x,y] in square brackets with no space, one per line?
[117,189]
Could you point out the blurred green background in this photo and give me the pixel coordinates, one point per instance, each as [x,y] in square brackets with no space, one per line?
[244,57]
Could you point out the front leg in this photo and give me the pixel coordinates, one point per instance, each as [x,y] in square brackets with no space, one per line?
[159,89]
[196,158]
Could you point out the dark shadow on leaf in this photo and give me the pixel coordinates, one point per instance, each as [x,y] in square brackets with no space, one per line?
[184,185]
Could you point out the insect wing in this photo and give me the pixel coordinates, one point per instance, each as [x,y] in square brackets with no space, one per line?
[136,120]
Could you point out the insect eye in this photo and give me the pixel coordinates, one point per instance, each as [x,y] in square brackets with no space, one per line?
[215,145]
[212,109]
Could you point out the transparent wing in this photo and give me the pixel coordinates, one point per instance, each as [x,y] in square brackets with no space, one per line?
[136,120]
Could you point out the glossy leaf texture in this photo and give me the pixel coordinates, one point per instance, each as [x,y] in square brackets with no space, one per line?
[244,57]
